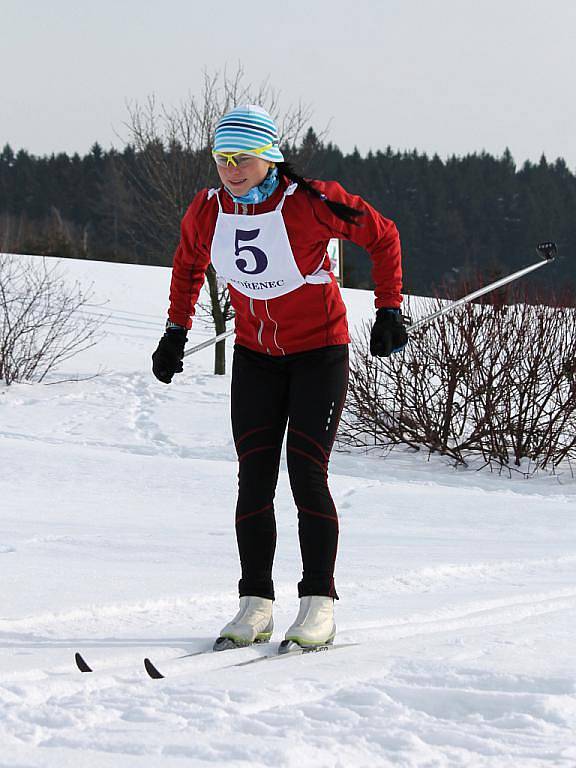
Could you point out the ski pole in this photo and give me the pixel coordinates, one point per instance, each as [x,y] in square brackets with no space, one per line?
[209,342]
[546,250]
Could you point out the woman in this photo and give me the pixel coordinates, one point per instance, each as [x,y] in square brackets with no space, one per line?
[266,231]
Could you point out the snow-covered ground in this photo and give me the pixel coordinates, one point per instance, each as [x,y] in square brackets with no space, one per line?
[117,502]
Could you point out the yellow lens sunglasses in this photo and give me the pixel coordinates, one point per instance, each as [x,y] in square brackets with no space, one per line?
[229,158]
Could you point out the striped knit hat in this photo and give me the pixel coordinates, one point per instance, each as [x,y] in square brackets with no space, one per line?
[245,128]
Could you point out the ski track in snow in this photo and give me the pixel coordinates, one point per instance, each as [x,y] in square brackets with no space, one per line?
[389,713]
[458,586]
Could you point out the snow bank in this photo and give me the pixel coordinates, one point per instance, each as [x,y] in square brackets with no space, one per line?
[116,538]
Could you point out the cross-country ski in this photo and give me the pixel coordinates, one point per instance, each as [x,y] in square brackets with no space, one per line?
[289,650]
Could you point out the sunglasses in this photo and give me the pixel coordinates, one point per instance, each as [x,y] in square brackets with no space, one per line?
[238,159]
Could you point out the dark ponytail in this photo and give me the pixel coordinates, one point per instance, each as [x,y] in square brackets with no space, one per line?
[341,210]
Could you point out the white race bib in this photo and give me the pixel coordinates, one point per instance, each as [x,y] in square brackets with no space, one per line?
[253,253]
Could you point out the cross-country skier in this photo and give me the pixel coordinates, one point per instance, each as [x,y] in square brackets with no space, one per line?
[266,231]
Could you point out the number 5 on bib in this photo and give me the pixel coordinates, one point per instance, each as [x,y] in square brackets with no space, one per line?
[242,236]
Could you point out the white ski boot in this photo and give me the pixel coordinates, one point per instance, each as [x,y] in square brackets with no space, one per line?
[314,626]
[252,624]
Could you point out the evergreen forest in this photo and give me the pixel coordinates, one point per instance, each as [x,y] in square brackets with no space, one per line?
[463,220]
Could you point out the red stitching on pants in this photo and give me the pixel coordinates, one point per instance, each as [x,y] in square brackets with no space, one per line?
[307,455]
[334,518]
[311,440]
[251,514]
[251,432]
[255,450]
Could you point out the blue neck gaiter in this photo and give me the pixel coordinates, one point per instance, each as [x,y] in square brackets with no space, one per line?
[261,192]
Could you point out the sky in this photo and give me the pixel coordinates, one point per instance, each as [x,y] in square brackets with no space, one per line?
[444,76]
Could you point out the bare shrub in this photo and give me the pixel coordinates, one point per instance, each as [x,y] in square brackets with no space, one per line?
[538,415]
[41,323]
[497,382]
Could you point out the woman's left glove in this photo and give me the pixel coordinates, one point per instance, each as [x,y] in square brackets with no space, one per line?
[167,359]
[388,333]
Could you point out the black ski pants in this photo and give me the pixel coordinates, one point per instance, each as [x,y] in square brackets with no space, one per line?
[306,391]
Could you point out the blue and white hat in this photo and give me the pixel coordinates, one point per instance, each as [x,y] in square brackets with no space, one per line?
[248,128]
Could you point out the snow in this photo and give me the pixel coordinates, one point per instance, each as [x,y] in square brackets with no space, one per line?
[117,499]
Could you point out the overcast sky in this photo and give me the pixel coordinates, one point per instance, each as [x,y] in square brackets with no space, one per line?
[446,76]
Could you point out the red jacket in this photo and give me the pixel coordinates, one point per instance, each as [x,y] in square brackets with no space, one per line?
[311,316]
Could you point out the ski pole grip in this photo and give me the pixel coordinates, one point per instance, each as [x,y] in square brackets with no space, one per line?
[547,250]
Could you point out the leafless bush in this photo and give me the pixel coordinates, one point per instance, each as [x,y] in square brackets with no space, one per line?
[491,381]
[41,324]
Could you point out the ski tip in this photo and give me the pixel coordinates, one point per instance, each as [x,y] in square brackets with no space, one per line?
[81,663]
[152,671]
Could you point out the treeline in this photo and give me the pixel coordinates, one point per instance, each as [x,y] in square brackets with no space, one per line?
[458,218]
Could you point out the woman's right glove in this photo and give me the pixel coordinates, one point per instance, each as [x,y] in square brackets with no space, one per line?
[167,359]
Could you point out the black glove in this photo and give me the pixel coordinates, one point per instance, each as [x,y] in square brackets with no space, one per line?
[167,359]
[388,333]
